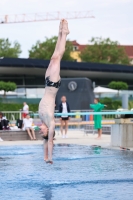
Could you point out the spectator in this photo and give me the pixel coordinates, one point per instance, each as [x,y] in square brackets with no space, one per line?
[25,110]
[97,107]
[64,108]
[27,125]
[3,122]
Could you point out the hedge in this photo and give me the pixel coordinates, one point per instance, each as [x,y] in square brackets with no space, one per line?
[114,104]
[111,105]
[17,107]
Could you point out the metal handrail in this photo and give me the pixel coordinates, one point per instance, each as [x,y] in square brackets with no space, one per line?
[14,115]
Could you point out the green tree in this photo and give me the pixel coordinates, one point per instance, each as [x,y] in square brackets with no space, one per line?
[44,50]
[111,104]
[7,86]
[118,85]
[104,51]
[8,50]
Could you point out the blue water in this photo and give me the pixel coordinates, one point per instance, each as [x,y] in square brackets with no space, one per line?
[78,173]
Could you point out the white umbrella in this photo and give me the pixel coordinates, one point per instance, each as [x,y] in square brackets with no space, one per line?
[101,90]
[7,93]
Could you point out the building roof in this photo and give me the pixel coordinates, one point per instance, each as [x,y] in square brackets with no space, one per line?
[128,48]
[65,65]
[81,47]
[35,67]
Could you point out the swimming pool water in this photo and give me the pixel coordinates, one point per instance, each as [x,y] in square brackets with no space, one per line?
[78,173]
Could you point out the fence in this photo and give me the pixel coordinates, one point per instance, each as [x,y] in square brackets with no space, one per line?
[84,115]
[78,118]
[14,115]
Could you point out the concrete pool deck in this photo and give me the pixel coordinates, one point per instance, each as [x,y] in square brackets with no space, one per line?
[74,137]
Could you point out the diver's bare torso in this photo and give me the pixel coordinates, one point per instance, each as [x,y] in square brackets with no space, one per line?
[47,105]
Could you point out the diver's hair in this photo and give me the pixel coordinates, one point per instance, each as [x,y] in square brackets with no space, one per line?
[46,137]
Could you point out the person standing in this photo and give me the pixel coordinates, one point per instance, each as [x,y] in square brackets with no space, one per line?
[64,108]
[4,123]
[25,110]
[97,107]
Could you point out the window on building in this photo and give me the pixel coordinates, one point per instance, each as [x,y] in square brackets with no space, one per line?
[75,48]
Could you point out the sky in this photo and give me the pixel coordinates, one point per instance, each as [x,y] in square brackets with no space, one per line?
[113,19]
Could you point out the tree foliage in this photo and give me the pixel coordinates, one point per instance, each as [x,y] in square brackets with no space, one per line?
[104,51]
[118,85]
[7,86]
[8,50]
[111,104]
[44,50]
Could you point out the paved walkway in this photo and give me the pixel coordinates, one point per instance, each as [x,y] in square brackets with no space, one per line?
[74,137]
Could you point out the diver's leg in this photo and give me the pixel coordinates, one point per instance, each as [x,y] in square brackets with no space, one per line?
[59,36]
[54,67]
[61,42]
[50,141]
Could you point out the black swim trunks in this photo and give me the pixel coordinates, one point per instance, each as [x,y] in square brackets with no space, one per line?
[46,137]
[52,84]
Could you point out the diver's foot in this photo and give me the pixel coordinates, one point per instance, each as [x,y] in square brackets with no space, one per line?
[49,161]
[65,27]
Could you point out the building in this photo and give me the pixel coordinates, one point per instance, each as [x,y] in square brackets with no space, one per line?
[78,48]
[29,73]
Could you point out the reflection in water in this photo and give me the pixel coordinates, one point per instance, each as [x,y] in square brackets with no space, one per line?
[97,149]
[47,193]
[63,144]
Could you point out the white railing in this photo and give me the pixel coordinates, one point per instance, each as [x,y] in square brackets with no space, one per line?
[14,115]
[78,118]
